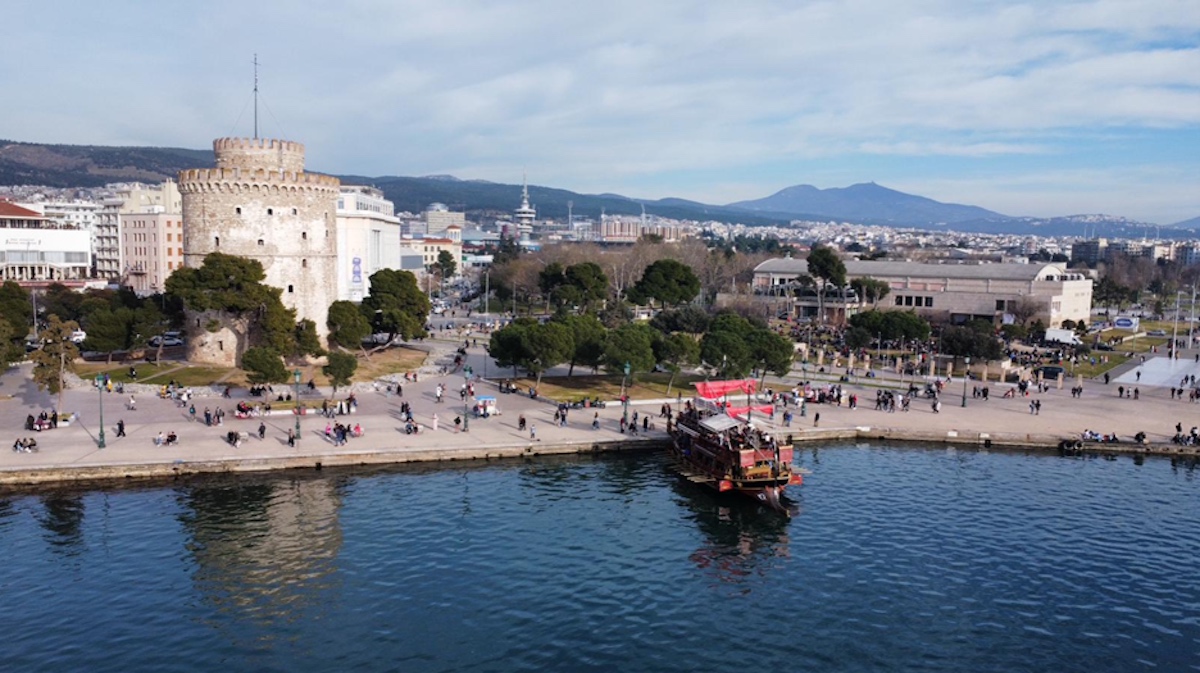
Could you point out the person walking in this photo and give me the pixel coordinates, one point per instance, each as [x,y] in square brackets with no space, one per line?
[132,403]
[121,428]
[816,419]
[262,430]
[596,421]
[291,437]
[533,432]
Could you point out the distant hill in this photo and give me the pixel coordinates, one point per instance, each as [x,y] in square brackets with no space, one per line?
[92,165]
[867,202]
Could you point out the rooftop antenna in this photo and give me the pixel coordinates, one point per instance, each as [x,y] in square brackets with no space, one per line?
[256,96]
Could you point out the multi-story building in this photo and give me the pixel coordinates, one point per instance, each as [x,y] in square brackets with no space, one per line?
[131,198]
[438,218]
[368,239]
[1088,252]
[959,293]
[152,247]
[36,251]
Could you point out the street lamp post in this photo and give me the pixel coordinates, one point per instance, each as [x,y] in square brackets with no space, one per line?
[467,398]
[100,388]
[966,376]
[297,375]
[625,396]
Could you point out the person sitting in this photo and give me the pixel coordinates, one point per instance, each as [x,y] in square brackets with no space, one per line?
[172,439]
[357,431]
[19,445]
[30,444]
[158,441]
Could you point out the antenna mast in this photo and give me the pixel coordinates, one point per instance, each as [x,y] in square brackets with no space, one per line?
[256,96]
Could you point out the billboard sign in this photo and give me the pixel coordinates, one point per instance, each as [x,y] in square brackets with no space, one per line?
[1127,322]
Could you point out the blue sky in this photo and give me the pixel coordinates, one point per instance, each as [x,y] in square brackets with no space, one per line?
[1039,108]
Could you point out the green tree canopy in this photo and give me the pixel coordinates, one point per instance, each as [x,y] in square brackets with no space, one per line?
[632,343]
[348,327]
[264,365]
[17,308]
[905,325]
[11,348]
[532,346]
[974,340]
[307,341]
[689,319]
[56,356]
[587,334]
[669,281]
[340,369]
[676,351]
[396,304]
[446,265]
[871,289]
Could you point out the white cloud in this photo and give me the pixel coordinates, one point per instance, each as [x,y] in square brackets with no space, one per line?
[619,93]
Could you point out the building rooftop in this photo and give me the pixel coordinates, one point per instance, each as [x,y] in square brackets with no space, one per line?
[890,269]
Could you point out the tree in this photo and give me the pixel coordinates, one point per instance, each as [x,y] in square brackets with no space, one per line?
[532,346]
[827,269]
[974,340]
[109,331]
[340,369]
[870,288]
[771,352]
[906,325]
[858,338]
[588,338]
[584,285]
[16,307]
[631,344]
[264,365]
[549,344]
[11,349]
[689,319]
[56,357]
[446,264]
[676,351]
[348,327]
[669,281]
[307,341]
[233,286]
[396,304]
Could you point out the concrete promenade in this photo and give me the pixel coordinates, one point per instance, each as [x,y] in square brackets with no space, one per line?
[71,453]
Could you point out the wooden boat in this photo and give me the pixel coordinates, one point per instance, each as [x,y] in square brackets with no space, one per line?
[711,446]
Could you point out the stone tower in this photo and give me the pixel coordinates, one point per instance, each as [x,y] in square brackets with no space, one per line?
[259,203]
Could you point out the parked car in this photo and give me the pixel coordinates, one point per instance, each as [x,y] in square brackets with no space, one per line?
[78,336]
[166,341]
[1157,333]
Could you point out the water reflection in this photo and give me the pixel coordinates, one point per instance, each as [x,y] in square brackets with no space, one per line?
[62,518]
[742,540]
[264,547]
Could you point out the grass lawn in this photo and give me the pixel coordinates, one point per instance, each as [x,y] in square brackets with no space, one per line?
[608,387]
[390,361]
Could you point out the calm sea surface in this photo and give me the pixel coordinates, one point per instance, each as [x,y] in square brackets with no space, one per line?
[898,559]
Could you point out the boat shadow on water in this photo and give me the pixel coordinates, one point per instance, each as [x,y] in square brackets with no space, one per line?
[741,539]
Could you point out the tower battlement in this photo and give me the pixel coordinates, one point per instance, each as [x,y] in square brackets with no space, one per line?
[232,179]
[265,153]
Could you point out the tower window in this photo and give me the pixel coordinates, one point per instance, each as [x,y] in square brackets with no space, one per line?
[238,210]
[294,211]
[217,241]
[270,211]
[304,235]
[291,289]
[304,263]
[260,241]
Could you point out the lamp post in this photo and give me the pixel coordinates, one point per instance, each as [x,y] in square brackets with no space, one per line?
[1174,355]
[100,388]
[625,396]
[296,375]
[966,376]
[466,398]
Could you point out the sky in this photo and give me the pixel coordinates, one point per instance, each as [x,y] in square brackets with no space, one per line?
[1041,108]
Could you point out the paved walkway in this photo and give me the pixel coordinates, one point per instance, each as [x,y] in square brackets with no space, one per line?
[1099,409]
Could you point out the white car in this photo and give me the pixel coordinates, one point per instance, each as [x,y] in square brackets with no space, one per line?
[166,341]
[78,336]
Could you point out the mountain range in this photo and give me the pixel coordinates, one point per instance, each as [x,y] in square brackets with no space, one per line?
[67,166]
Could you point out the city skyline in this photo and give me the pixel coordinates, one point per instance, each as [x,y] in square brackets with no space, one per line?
[1025,109]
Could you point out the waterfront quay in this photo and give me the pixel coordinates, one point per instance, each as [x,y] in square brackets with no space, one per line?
[71,453]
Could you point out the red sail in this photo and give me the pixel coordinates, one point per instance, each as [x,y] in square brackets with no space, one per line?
[712,390]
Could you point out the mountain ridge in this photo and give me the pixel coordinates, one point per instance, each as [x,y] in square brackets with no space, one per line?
[66,166]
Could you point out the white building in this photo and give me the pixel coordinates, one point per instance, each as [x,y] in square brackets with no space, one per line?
[152,247]
[368,239]
[35,251]
[438,218]
[131,198]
